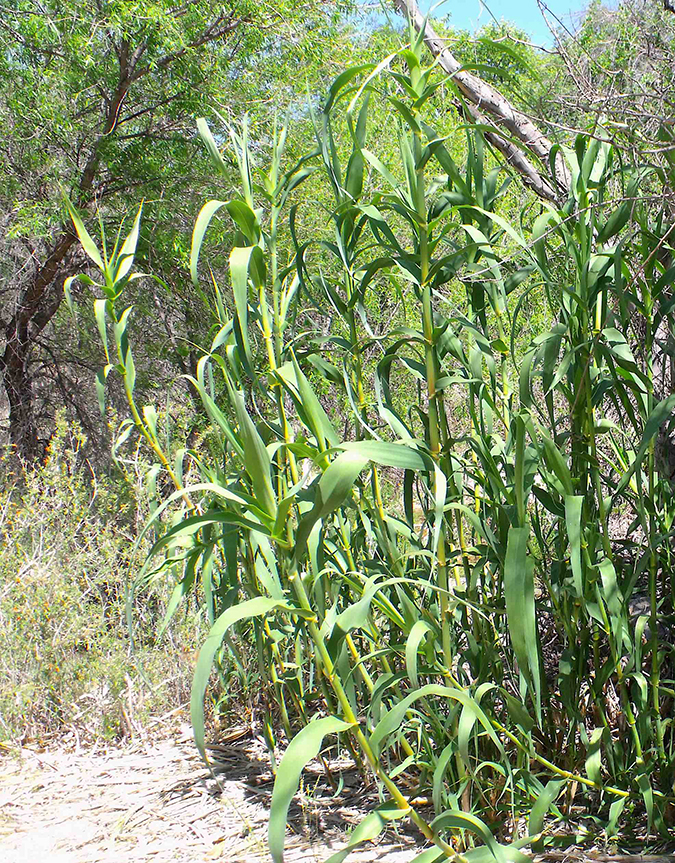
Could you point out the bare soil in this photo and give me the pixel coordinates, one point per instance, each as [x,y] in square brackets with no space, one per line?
[155,801]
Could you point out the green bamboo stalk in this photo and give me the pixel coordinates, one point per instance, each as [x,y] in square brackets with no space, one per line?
[655,675]
[349,716]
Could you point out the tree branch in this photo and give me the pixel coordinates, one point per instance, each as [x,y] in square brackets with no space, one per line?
[212,33]
[516,158]
[486,100]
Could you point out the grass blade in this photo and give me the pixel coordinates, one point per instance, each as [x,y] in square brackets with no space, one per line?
[301,750]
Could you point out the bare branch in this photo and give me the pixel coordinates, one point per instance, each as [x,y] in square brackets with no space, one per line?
[516,158]
[486,100]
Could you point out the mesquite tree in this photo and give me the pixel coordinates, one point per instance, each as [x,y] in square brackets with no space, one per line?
[98,100]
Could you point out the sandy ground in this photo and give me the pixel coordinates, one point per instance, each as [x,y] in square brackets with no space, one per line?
[156,802]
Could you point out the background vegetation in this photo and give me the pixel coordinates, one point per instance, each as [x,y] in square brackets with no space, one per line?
[421,485]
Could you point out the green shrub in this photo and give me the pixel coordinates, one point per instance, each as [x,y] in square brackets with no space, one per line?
[66,661]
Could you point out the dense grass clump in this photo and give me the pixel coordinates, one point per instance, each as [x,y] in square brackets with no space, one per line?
[459,564]
[66,660]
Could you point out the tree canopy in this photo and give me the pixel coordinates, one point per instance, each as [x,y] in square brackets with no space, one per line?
[98,102]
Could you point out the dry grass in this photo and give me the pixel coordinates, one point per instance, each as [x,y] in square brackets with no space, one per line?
[66,661]
[154,801]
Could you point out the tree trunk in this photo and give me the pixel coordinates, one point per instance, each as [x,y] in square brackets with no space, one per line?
[37,304]
[18,386]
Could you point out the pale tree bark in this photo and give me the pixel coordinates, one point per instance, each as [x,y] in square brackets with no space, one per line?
[488,106]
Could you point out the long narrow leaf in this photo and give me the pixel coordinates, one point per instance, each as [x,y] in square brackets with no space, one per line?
[301,750]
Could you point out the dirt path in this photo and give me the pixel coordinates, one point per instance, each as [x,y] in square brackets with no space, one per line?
[156,802]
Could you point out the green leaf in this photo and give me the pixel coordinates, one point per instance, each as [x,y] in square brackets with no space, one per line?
[100,307]
[594,756]
[663,411]
[80,277]
[616,222]
[647,793]
[381,169]
[257,607]
[420,629]
[257,460]
[403,456]
[520,608]
[505,226]
[612,597]
[431,855]
[518,712]
[125,259]
[180,591]
[332,489]
[439,772]
[573,507]
[557,464]
[150,418]
[243,261]
[309,406]
[541,806]
[342,80]
[484,854]
[211,146]
[101,377]
[354,175]
[359,134]
[615,811]
[467,720]
[371,74]
[245,219]
[88,244]
[206,213]
[400,455]
[391,721]
[458,820]
[212,408]
[188,527]
[370,828]
[129,371]
[301,750]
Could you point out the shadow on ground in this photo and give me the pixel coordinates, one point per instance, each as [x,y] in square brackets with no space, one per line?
[156,802]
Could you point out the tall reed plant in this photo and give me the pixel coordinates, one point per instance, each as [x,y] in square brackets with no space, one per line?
[431,560]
